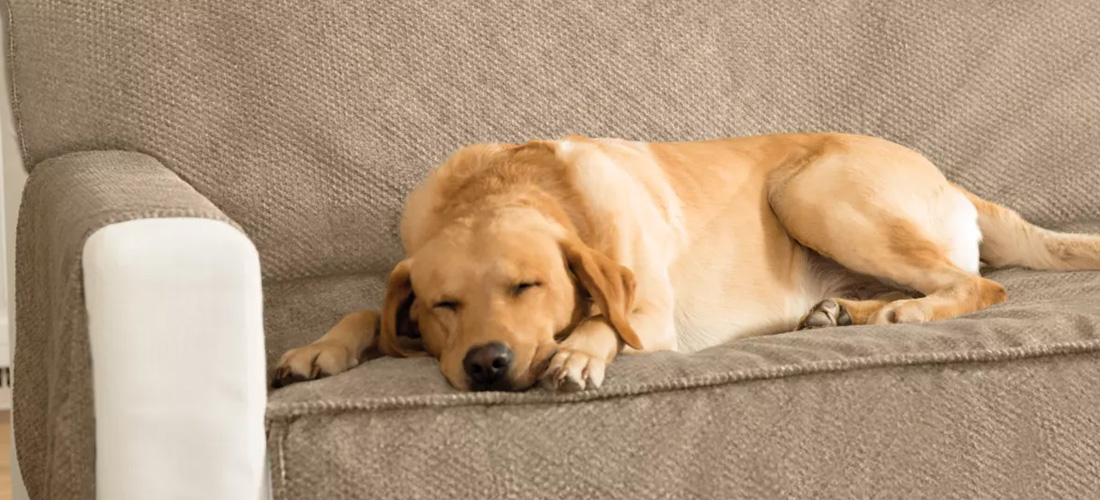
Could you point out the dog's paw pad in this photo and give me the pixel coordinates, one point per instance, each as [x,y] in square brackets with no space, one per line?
[825,314]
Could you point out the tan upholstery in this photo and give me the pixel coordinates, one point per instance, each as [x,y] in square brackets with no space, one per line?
[307,122]
[1001,404]
[65,200]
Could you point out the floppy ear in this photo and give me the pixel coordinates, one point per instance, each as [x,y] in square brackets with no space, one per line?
[610,285]
[396,321]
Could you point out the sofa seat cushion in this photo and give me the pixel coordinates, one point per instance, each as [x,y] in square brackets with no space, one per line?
[990,402]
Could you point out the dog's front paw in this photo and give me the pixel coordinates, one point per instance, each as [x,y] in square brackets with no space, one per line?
[312,362]
[572,370]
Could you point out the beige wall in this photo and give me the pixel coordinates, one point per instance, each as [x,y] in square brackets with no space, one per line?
[12,179]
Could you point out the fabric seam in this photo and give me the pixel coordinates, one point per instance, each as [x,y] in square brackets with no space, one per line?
[284,424]
[290,411]
[281,450]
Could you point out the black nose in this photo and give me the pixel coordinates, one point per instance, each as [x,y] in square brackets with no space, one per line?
[487,364]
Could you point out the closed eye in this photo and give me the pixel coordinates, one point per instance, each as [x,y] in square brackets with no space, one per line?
[523,287]
[452,305]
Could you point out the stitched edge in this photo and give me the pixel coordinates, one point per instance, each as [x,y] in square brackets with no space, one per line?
[285,424]
[280,450]
[288,411]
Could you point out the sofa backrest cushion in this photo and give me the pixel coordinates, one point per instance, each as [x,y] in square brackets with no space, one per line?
[308,122]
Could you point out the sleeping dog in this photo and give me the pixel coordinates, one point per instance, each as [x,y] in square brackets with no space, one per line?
[541,262]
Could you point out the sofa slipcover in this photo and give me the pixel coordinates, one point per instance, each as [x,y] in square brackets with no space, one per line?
[306,123]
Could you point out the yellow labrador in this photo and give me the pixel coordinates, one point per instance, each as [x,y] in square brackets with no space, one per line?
[542,261]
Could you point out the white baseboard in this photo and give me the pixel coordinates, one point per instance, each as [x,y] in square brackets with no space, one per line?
[5,348]
[5,364]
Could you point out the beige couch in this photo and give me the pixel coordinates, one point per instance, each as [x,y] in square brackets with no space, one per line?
[304,124]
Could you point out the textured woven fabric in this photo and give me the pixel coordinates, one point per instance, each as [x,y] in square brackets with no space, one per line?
[999,404]
[308,122]
[65,200]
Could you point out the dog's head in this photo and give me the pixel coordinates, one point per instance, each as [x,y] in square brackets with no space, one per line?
[491,294]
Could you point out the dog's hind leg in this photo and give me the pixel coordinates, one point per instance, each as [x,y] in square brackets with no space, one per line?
[884,211]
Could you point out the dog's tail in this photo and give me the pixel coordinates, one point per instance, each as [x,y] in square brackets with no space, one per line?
[1009,240]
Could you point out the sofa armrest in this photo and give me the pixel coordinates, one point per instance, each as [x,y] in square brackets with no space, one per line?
[134,288]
